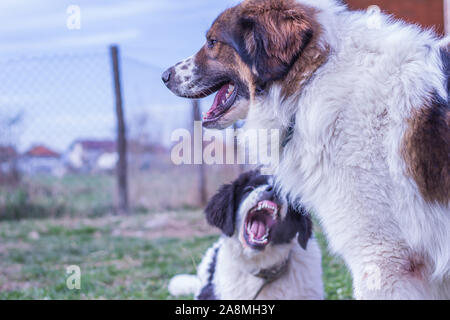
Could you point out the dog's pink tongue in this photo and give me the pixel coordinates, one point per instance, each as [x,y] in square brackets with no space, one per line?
[220,97]
[258,229]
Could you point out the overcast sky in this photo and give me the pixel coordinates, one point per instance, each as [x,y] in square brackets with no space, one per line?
[60,78]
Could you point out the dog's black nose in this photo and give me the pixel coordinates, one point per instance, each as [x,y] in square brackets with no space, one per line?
[166,75]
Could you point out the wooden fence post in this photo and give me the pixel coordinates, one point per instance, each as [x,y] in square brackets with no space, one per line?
[203,190]
[122,167]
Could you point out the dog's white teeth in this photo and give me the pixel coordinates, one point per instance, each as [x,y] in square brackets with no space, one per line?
[260,241]
[275,212]
[229,92]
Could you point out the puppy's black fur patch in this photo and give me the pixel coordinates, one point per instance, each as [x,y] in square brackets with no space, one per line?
[207,292]
[296,221]
[222,208]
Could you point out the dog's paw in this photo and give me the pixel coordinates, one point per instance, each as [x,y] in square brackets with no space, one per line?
[184,285]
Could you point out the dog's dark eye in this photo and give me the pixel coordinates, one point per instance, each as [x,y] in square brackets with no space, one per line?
[211,43]
[248,189]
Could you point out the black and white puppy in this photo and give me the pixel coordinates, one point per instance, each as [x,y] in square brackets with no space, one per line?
[267,250]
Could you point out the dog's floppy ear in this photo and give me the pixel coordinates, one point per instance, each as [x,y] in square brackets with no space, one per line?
[297,222]
[303,222]
[274,36]
[220,211]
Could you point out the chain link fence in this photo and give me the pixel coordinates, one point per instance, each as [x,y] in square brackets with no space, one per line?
[58,138]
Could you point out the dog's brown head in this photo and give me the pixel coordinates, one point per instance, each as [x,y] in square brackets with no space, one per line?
[248,48]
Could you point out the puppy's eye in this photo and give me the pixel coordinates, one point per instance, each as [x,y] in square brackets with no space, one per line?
[211,43]
[248,189]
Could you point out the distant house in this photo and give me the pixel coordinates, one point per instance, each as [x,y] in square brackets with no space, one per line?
[101,155]
[41,160]
[92,155]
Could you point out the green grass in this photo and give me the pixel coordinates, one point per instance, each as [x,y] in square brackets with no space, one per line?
[47,196]
[34,255]
[75,195]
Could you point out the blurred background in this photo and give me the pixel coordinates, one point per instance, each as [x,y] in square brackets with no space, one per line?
[86,176]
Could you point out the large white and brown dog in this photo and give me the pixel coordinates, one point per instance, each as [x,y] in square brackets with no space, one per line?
[365,116]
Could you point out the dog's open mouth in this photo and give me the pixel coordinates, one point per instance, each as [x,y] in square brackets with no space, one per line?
[258,224]
[224,100]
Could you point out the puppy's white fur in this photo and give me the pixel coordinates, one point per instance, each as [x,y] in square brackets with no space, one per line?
[344,160]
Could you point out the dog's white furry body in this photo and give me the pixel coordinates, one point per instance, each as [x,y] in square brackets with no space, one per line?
[345,162]
[234,279]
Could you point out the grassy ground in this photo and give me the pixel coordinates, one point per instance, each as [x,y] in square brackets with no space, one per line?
[120,257]
[162,188]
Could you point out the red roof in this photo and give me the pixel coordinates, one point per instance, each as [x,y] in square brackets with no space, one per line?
[42,151]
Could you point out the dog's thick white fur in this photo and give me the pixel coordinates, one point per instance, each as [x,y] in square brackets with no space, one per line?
[344,160]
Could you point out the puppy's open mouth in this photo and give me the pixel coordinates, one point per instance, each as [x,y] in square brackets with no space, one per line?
[258,224]
[224,100]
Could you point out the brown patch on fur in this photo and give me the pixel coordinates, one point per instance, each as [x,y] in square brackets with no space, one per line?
[312,58]
[281,26]
[263,41]
[275,35]
[426,150]
[281,42]
[222,59]
[246,76]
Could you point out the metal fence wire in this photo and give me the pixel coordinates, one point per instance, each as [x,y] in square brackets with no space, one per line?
[58,138]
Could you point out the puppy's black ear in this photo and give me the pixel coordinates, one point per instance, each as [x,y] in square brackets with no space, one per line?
[304,226]
[220,211]
[297,222]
